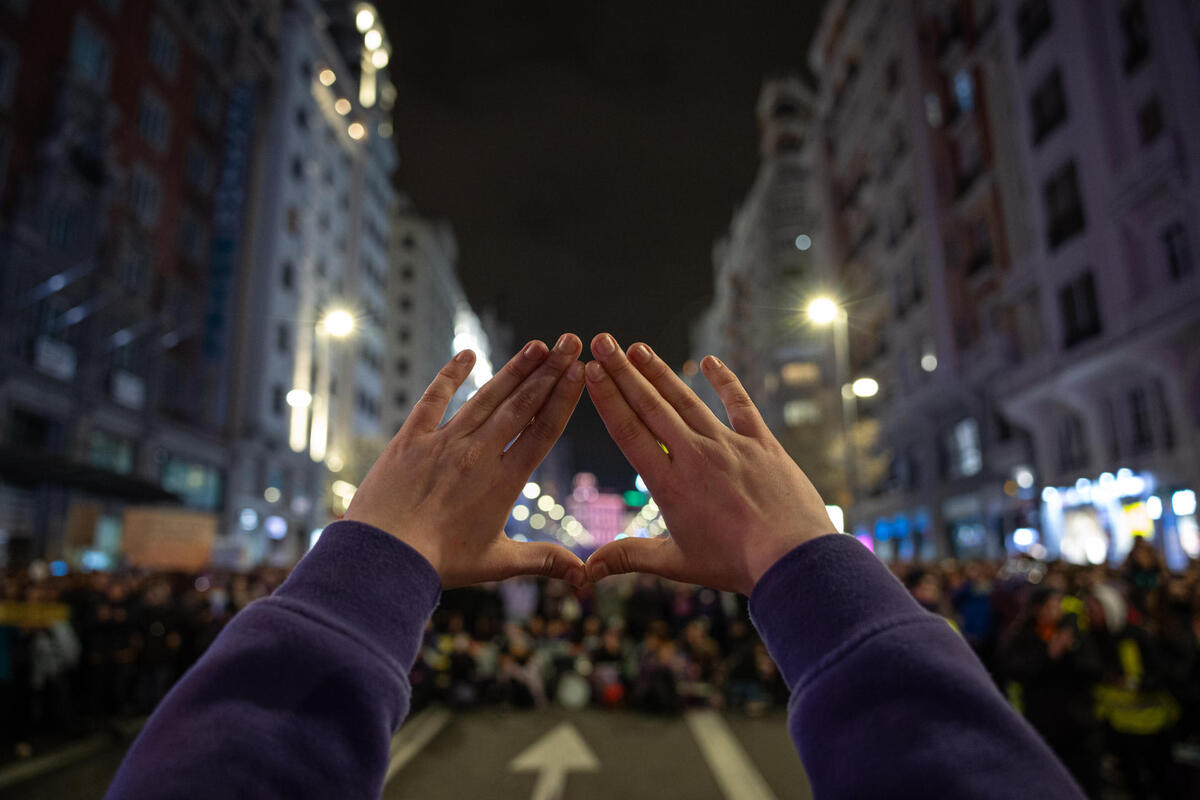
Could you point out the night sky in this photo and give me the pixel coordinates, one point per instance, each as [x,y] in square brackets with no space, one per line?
[587,154]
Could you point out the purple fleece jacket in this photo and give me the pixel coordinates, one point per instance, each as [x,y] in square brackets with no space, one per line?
[300,695]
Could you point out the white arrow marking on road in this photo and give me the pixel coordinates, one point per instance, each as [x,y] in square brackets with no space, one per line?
[727,758]
[560,751]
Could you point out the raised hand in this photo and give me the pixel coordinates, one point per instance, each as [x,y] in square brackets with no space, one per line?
[733,500]
[447,491]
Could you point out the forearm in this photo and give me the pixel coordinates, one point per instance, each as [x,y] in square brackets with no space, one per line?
[887,700]
[300,694]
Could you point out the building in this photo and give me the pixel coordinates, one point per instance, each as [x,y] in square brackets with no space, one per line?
[764,269]
[429,319]
[309,415]
[124,134]
[1012,219]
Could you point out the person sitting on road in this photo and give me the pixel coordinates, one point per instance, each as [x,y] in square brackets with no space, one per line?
[300,694]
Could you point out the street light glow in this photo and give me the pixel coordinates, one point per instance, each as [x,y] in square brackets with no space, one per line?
[803,242]
[298,398]
[865,387]
[379,59]
[356,131]
[531,490]
[822,311]
[342,106]
[372,39]
[364,20]
[327,77]
[338,323]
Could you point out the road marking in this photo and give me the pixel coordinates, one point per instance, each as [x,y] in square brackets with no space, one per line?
[413,736]
[730,765]
[560,751]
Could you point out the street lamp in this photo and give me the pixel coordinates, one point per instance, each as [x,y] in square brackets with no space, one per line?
[826,311]
[338,323]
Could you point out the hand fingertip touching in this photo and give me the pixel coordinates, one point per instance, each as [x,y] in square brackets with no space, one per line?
[575,372]
[640,354]
[595,372]
[603,345]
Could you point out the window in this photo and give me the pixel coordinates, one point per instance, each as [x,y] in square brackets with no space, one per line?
[298,168]
[287,275]
[293,220]
[406,273]
[1048,105]
[1072,446]
[283,337]
[306,69]
[277,401]
[408,242]
[208,107]
[109,451]
[193,238]
[800,412]
[91,57]
[1139,417]
[198,485]
[199,167]
[401,399]
[981,243]
[1179,252]
[965,458]
[403,335]
[164,52]
[62,224]
[964,91]
[302,118]
[1150,120]
[892,75]
[144,195]
[1135,44]
[405,303]
[402,366]
[1034,19]
[154,120]
[1064,208]
[1080,311]
[8,71]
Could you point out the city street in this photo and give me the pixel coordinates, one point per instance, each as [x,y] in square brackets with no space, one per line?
[583,755]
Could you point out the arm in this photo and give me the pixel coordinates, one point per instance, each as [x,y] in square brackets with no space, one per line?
[300,694]
[887,700]
[872,673]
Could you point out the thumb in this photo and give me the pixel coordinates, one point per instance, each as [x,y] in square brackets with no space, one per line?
[659,556]
[541,558]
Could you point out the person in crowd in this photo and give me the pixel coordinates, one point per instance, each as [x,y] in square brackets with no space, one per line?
[1052,658]
[305,687]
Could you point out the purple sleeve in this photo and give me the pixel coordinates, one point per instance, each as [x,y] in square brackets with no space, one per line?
[886,699]
[300,694]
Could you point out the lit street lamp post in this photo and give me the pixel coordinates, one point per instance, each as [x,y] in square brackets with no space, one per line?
[824,311]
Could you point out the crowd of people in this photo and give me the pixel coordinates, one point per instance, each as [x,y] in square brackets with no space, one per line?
[1104,662]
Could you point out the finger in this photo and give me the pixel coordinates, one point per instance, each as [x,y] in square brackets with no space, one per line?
[743,414]
[477,410]
[630,433]
[537,558]
[643,398]
[514,414]
[659,556]
[690,408]
[548,424]
[428,412]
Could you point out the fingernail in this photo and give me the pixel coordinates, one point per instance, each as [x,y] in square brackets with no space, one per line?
[464,356]
[534,349]
[605,345]
[715,362]
[575,371]
[599,572]
[563,342]
[595,372]
[639,354]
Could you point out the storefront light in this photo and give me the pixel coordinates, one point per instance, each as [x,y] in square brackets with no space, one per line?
[1049,495]
[1183,503]
[248,519]
[276,526]
[1024,537]
[1154,507]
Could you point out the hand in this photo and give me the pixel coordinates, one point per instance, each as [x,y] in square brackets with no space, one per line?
[447,491]
[733,500]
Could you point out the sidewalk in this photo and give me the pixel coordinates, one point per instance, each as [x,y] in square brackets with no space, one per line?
[14,772]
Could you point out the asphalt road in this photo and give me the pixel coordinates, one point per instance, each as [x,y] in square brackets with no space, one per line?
[542,755]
